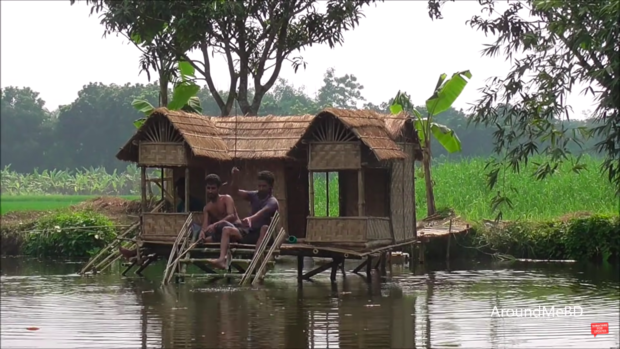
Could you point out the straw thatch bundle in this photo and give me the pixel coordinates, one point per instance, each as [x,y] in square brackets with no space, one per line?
[268,137]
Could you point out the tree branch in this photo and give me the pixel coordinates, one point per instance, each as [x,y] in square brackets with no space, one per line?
[207,75]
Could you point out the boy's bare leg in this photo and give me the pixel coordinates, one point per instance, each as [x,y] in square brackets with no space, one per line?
[228,234]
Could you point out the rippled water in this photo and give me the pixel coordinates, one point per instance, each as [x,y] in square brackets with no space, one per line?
[434,310]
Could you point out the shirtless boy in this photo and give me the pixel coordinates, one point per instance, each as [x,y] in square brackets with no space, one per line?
[252,229]
[219,212]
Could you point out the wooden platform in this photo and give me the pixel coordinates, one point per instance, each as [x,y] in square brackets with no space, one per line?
[374,255]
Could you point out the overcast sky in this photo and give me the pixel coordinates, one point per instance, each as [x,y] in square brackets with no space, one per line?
[55,49]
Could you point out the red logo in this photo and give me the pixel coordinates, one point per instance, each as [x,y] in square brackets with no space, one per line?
[599,328]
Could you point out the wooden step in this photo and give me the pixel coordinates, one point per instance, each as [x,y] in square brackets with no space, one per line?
[207,260]
[239,251]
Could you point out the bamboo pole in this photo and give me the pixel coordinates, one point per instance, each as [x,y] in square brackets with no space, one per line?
[107,248]
[311,196]
[326,194]
[361,200]
[263,268]
[260,249]
[187,189]
[143,187]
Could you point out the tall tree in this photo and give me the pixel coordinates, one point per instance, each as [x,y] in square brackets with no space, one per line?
[255,37]
[26,125]
[560,44]
[92,128]
[340,91]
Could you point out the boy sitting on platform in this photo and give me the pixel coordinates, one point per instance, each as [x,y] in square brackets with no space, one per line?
[220,211]
[254,228]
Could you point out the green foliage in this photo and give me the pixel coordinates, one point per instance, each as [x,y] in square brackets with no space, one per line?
[461,185]
[56,235]
[447,92]
[25,124]
[88,132]
[93,181]
[252,37]
[560,44]
[595,238]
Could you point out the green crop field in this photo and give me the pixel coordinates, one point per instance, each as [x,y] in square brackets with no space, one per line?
[460,185]
[41,202]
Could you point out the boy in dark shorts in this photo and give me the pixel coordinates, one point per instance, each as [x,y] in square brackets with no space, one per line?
[252,229]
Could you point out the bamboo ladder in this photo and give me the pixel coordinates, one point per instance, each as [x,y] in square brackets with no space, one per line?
[260,250]
[262,270]
[97,264]
[177,248]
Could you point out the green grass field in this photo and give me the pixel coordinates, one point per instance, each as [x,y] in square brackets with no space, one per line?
[42,202]
[462,187]
[459,185]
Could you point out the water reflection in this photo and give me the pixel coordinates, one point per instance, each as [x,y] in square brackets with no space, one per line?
[437,309]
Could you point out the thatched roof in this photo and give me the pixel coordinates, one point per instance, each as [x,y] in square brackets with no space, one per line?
[199,132]
[267,137]
[400,127]
[370,128]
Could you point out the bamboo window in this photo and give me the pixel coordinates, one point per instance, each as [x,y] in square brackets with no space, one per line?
[323,188]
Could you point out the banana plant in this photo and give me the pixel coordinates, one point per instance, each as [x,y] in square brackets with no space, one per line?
[183,95]
[446,93]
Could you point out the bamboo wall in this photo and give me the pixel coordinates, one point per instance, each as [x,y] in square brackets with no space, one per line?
[402,196]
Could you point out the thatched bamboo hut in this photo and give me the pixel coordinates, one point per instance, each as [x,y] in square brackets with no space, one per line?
[372,154]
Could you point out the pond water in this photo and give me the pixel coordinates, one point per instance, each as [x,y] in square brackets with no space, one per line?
[441,308]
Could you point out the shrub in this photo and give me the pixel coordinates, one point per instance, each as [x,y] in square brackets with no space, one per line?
[70,235]
[594,238]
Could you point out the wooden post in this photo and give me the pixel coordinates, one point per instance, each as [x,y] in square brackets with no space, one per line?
[163,179]
[361,200]
[187,189]
[311,196]
[413,212]
[326,194]
[414,250]
[143,187]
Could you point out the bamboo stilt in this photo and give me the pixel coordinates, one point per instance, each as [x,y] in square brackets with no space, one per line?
[109,247]
[263,267]
[181,237]
[260,249]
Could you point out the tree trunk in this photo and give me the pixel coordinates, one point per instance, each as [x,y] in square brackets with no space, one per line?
[430,195]
[163,90]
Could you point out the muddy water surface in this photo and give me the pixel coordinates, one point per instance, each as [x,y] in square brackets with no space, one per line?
[441,309]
